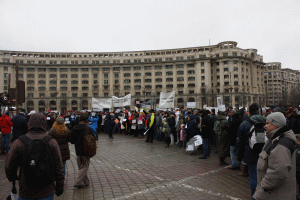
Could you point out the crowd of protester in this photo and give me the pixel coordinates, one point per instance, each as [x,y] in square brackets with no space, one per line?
[227,132]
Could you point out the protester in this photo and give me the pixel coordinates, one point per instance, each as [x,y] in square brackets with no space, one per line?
[276,166]
[5,125]
[150,125]
[222,143]
[77,138]
[141,124]
[17,157]
[61,134]
[109,126]
[243,150]
[206,132]
[20,125]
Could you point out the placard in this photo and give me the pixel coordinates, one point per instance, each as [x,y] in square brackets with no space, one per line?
[191,104]
[140,122]
[122,101]
[93,114]
[133,127]
[48,118]
[133,121]
[190,148]
[166,100]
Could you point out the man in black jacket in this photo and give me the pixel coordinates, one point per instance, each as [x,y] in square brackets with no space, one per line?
[206,132]
[77,138]
[20,125]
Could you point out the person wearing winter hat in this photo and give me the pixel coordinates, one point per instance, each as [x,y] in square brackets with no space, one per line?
[276,166]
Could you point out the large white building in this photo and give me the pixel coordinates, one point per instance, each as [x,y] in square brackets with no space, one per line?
[69,80]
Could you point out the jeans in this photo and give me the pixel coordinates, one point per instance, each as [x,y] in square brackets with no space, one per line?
[234,162]
[5,142]
[252,168]
[51,197]
[206,147]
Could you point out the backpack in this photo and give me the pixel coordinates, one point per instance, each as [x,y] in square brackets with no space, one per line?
[89,143]
[38,162]
[258,136]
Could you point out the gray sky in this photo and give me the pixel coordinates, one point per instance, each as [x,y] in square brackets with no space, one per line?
[270,26]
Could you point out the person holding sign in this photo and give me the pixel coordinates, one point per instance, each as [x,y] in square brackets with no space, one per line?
[141,124]
[134,125]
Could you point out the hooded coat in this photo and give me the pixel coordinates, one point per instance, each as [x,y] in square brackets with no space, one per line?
[221,130]
[63,142]
[276,167]
[36,130]
[233,128]
[94,121]
[191,127]
[180,122]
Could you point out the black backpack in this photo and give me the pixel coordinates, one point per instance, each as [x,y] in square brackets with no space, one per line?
[38,162]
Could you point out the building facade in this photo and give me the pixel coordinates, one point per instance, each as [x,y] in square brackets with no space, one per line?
[69,81]
[282,85]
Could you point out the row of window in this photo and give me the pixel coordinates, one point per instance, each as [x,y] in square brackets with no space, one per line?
[61,76]
[61,82]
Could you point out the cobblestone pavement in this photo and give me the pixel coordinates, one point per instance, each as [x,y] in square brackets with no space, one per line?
[129,168]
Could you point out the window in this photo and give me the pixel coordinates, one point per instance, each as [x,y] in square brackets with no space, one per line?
[236,83]
[202,64]
[30,75]
[30,88]
[148,74]
[30,69]
[202,77]
[126,87]
[116,68]
[63,69]
[137,68]
[225,54]
[158,73]
[191,85]
[95,62]
[234,54]
[85,75]
[105,75]
[28,62]
[85,82]
[169,73]
[158,86]
[105,69]
[84,62]
[137,61]
[190,57]
[236,76]
[204,56]
[127,74]
[226,76]
[191,78]
[19,61]
[74,94]
[148,87]
[85,88]
[225,69]
[106,94]
[95,75]
[191,72]
[158,67]
[63,62]
[179,66]
[21,69]
[137,74]
[105,82]
[158,59]
[169,59]
[225,62]
[148,80]
[158,80]
[116,61]
[180,85]
[116,75]
[42,62]
[169,86]
[191,92]
[42,75]
[74,88]
[180,92]
[52,82]
[190,65]
[95,69]
[5,68]
[202,70]
[41,94]
[137,87]
[29,94]
[169,79]
[63,76]
[137,80]
[127,80]
[226,83]
[29,82]
[147,60]
[169,66]
[126,68]
[20,75]
[52,75]
[180,72]
[235,62]
[41,88]
[74,75]
[42,82]
[52,69]
[179,58]
[180,79]
[126,61]
[84,69]
[74,62]
[63,88]
[52,88]
[116,81]
[148,67]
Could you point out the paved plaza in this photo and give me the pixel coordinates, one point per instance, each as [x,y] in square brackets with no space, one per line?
[129,168]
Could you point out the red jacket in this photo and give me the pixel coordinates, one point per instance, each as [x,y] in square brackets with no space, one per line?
[5,124]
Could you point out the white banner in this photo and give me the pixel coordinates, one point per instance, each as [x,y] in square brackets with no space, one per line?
[100,103]
[219,101]
[122,101]
[191,105]
[167,100]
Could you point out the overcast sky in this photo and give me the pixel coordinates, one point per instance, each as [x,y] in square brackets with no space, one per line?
[270,26]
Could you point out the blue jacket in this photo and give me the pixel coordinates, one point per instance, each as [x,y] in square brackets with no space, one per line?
[94,121]
[243,149]
[109,124]
[93,128]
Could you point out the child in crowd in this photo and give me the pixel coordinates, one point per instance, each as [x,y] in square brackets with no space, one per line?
[181,135]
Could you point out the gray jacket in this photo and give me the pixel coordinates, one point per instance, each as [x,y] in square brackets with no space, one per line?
[276,167]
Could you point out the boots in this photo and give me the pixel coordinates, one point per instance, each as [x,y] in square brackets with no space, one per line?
[244,170]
